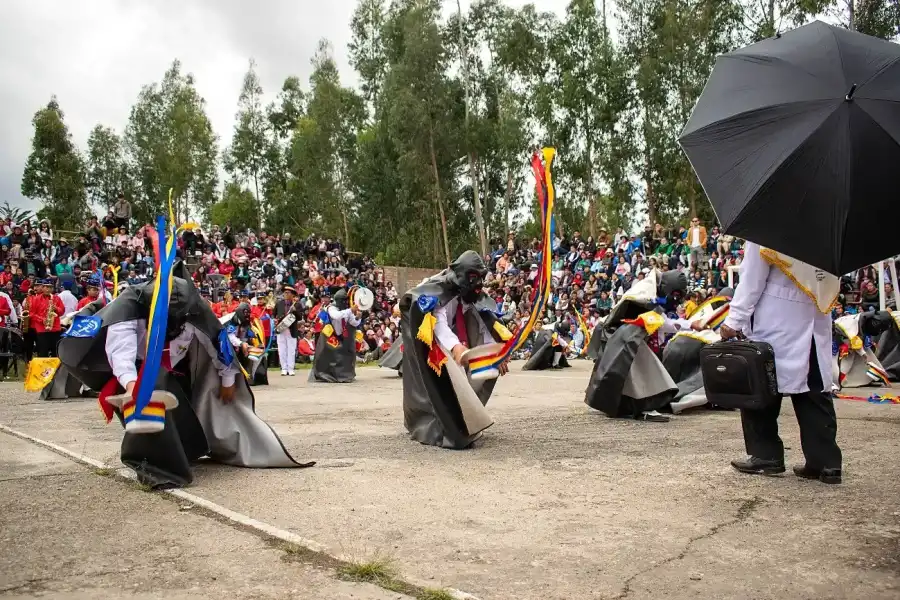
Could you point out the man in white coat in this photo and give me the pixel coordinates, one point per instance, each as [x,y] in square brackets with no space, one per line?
[787,303]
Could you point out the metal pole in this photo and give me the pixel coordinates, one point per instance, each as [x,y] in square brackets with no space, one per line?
[881,298]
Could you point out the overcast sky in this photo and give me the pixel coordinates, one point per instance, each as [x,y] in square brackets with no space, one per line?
[95,55]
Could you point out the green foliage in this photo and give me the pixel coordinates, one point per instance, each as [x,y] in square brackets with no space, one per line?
[14,213]
[107,172]
[237,207]
[433,148]
[54,171]
[246,158]
[172,145]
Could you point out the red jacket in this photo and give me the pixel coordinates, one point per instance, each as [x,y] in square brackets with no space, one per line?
[40,304]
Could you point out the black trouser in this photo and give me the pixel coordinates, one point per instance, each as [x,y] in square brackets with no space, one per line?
[815,415]
[29,339]
[46,343]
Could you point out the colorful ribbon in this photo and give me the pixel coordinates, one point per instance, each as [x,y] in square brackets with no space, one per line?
[542,282]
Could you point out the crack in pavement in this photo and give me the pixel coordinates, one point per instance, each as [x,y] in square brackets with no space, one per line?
[744,511]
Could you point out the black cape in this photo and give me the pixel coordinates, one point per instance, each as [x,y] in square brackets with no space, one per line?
[542,353]
[62,386]
[431,411]
[612,390]
[888,353]
[335,364]
[201,425]
[393,358]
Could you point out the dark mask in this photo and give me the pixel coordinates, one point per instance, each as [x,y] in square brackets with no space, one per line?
[242,315]
[468,274]
[342,300]
[471,287]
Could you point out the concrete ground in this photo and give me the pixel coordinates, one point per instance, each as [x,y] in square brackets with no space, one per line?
[68,533]
[556,502]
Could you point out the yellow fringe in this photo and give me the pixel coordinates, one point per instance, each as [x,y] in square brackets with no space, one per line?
[502,331]
[772,257]
[328,330]
[652,321]
[426,330]
[437,368]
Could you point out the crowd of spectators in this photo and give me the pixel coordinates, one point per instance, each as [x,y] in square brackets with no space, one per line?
[589,275]
[222,259]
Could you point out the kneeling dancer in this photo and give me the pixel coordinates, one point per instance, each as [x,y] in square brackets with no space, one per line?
[628,379]
[550,348]
[200,403]
[441,318]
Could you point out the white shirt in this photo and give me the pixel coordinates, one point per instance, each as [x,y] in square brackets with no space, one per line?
[339,316]
[126,343]
[785,317]
[69,301]
[695,237]
[442,331]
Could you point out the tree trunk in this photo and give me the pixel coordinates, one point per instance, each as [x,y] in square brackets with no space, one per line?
[473,177]
[479,218]
[506,198]
[259,217]
[437,192]
[592,206]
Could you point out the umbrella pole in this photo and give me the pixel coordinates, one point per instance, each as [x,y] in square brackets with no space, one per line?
[881,298]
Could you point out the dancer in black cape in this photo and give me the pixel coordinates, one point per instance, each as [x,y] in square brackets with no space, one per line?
[447,309]
[889,348]
[393,358]
[550,348]
[628,379]
[335,358]
[212,418]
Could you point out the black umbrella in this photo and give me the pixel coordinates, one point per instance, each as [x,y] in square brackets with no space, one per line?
[796,141]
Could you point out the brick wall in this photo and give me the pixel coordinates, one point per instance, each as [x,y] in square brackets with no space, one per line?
[405,278]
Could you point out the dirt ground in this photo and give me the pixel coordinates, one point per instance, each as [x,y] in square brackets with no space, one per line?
[556,502]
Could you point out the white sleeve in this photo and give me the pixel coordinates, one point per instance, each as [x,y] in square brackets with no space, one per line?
[345,315]
[235,341]
[675,325]
[229,374]
[442,331]
[121,350]
[753,276]
[562,343]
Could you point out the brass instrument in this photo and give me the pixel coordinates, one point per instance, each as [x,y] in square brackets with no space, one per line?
[270,301]
[51,314]
[26,314]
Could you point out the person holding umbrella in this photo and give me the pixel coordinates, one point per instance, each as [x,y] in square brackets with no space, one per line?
[813,140]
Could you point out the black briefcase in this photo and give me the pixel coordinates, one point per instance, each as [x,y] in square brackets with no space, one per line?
[739,374]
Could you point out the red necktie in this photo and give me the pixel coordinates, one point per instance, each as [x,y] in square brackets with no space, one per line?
[166,360]
[461,332]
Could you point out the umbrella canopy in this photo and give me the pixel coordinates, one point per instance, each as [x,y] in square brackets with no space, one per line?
[796,141]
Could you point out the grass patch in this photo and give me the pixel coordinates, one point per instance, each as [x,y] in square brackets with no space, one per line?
[379,570]
[142,487]
[103,471]
[434,594]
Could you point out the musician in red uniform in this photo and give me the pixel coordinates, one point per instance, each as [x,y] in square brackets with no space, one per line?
[46,308]
[93,292]
[226,306]
[7,311]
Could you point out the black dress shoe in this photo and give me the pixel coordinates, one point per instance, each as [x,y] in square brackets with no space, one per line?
[759,466]
[832,476]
